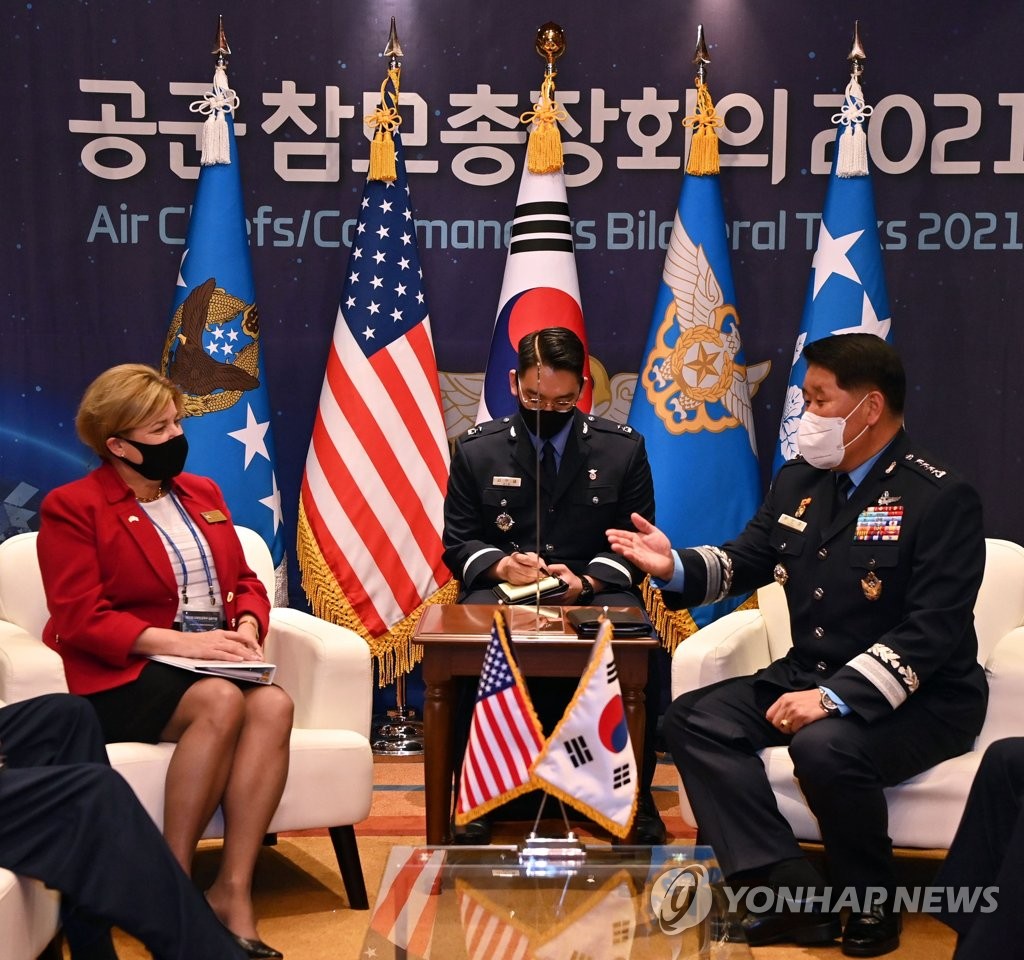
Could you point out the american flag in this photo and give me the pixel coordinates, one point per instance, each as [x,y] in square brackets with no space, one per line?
[370,512]
[504,735]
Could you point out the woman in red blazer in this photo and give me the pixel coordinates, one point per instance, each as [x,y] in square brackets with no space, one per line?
[140,559]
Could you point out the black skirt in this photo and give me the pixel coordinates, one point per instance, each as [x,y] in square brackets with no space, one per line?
[139,711]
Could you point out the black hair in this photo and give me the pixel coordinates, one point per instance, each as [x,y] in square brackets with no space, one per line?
[862,360]
[555,347]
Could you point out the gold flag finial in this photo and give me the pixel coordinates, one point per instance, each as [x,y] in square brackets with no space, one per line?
[220,45]
[393,51]
[550,43]
[857,51]
[703,159]
[701,57]
[544,149]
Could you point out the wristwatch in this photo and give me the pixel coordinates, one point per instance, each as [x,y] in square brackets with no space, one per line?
[586,594]
[829,705]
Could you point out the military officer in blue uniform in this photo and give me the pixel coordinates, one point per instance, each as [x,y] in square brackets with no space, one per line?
[593,474]
[880,550]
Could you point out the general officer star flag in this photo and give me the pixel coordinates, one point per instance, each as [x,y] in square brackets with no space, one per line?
[588,760]
[540,288]
[847,291]
[693,396]
[212,350]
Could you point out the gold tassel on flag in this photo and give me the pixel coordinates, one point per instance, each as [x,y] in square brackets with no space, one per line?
[703,159]
[544,150]
[852,145]
[385,119]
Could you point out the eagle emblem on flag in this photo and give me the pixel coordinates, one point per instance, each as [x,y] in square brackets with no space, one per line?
[692,377]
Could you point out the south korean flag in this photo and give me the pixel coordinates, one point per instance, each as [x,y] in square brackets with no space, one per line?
[588,760]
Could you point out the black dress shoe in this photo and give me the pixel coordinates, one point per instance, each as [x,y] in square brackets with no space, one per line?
[805,927]
[474,833]
[650,828]
[872,934]
[257,949]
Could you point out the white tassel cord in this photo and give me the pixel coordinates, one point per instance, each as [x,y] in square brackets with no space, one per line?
[215,105]
[853,142]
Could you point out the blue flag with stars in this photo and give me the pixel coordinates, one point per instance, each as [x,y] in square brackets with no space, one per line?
[212,353]
[846,292]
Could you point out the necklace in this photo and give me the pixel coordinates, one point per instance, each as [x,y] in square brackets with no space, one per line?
[151,499]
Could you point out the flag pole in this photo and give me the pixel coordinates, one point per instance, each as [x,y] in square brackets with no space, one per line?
[398,733]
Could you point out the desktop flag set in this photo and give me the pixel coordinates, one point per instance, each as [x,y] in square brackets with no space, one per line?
[588,760]
[212,350]
[371,502]
[693,396]
[847,291]
[540,287]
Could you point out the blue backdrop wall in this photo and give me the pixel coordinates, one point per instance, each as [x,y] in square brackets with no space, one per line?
[98,165]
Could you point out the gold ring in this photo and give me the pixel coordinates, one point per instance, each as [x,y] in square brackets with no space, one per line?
[783,723]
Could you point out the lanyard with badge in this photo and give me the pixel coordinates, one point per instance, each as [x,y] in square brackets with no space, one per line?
[192,621]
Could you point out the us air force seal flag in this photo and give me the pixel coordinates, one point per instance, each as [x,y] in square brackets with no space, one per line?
[588,760]
[692,399]
[540,288]
[846,292]
[212,352]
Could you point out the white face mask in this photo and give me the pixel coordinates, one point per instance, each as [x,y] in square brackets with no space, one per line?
[820,439]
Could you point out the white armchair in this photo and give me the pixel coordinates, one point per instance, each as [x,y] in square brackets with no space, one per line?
[324,667]
[925,810]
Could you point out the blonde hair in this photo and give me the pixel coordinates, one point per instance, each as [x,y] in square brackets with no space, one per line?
[119,400]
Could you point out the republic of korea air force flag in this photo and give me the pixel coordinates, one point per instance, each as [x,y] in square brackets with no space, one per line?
[588,761]
[540,288]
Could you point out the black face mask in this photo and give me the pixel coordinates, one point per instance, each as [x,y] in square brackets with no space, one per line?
[549,422]
[160,461]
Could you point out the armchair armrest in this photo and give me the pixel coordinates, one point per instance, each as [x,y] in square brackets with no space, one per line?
[325,668]
[28,668]
[1005,672]
[732,646]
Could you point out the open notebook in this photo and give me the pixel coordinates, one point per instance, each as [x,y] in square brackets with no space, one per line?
[254,670]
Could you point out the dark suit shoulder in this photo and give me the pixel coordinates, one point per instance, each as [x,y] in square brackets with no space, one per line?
[923,464]
[604,426]
[488,429]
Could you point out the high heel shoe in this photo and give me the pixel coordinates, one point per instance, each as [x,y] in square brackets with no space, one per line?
[257,949]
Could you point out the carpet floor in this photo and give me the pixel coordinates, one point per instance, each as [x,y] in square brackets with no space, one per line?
[303,911]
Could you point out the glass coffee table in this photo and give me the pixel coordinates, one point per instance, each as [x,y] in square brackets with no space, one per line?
[551,900]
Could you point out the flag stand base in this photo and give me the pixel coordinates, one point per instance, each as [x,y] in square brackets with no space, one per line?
[542,856]
[398,733]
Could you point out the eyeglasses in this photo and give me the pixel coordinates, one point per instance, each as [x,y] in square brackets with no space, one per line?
[532,402]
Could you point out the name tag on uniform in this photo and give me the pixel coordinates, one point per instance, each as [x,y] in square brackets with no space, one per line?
[507,481]
[787,521]
[213,516]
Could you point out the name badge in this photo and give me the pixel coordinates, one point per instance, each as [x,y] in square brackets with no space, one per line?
[787,521]
[507,481]
[213,516]
[199,621]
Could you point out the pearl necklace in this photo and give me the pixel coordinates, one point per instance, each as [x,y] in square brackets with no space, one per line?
[155,497]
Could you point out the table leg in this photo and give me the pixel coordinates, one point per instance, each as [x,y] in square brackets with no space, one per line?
[438,758]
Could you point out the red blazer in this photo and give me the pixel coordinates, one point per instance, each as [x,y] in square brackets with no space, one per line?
[107,575]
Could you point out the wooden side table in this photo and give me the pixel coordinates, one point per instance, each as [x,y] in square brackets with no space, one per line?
[454,639]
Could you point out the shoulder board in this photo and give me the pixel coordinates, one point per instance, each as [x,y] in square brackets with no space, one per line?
[486,429]
[935,472]
[603,425]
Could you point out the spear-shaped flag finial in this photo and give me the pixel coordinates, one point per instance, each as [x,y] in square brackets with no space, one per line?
[220,45]
[701,57]
[852,142]
[393,51]
[216,105]
[703,159]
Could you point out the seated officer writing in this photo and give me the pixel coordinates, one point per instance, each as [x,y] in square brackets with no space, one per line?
[593,474]
[880,551]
